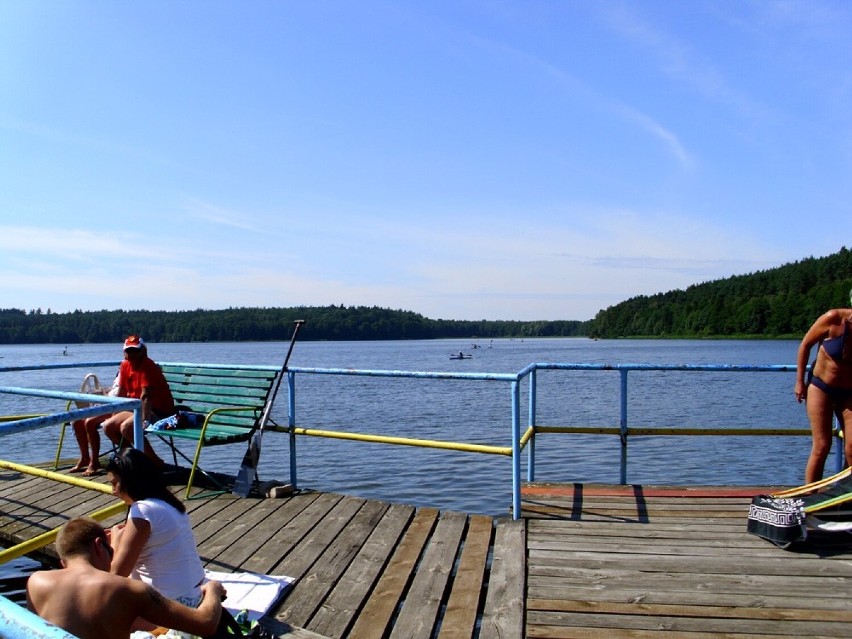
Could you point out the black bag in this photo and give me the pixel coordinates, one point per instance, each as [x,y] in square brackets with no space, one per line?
[779,520]
[230,628]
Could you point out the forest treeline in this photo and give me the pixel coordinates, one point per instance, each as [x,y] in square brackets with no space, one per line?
[259,324]
[779,302]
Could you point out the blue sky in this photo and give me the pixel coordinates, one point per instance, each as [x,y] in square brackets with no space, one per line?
[461,159]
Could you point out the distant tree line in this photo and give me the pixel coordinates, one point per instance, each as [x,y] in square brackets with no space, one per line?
[780,302]
[259,324]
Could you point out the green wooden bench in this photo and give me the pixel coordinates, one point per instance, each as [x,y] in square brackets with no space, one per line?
[233,399]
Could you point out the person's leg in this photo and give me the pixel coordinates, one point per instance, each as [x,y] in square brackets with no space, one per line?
[847,431]
[127,432]
[112,426]
[82,442]
[92,424]
[820,414]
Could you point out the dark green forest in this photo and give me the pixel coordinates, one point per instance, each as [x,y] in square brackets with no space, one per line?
[258,324]
[779,302]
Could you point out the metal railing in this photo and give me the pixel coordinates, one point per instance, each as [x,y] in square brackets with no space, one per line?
[17,622]
[524,437]
[521,436]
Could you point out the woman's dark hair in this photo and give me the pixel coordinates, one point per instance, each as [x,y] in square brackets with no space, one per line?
[139,478]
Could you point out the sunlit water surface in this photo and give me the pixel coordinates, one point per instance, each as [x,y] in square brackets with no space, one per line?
[478,412]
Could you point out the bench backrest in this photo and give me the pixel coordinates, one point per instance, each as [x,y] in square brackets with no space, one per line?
[202,389]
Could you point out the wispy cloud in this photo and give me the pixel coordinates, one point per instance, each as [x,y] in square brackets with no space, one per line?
[618,108]
[220,216]
[679,60]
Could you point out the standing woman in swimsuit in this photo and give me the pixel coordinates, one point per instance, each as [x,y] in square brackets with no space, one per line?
[828,390]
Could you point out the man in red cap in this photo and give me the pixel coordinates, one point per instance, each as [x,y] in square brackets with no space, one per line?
[140,378]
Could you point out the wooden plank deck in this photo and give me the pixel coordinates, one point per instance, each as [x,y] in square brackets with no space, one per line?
[638,562]
[362,568]
[584,561]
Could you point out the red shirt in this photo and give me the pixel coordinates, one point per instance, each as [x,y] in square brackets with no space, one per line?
[148,375]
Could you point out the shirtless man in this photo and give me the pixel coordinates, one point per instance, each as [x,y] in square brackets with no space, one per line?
[89,602]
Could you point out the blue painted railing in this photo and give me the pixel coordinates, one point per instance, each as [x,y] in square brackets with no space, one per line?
[16,622]
[103,405]
[520,437]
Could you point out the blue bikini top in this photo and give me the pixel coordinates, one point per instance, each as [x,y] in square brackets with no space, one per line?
[833,346]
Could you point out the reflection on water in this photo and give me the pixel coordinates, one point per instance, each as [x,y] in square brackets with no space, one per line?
[480,412]
[13,578]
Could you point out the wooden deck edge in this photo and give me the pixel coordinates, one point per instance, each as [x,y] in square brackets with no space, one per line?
[629,490]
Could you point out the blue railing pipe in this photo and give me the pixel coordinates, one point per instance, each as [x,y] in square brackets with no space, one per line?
[531,424]
[623,425]
[516,450]
[46,367]
[16,622]
[105,405]
[500,377]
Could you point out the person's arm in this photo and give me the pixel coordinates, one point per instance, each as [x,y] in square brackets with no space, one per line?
[168,613]
[145,396]
[128,543]
[815,333]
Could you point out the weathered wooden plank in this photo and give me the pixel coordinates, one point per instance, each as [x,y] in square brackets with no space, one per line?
[35,520]
[557,589]
[376,615]
[459,619]
[266,522]
[338,611]
[578,632]
[212,523]
[662,527]
[704,565]
[297,562]
[503,615]
[682,610]
[745,584]
[22,496]
[419,611]
[245,516]
[670,624]
[628,514]
[283,541]
[317,582]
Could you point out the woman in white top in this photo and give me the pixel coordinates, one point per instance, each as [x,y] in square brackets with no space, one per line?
[156,543]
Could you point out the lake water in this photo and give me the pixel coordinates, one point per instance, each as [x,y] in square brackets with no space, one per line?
[472,411]
[478,412]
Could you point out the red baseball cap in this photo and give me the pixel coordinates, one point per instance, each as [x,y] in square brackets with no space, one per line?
[134,341]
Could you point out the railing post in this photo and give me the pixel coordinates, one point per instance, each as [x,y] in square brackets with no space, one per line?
[531,424]
[516,452]
[291,424]
[839,454]
[138,430]
[623,425]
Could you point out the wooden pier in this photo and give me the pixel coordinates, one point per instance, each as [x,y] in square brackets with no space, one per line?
[584,561]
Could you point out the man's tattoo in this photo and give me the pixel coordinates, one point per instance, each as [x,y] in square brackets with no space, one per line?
[156,596]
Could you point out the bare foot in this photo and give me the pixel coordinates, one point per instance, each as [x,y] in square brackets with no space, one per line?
[92,472]
[80,466]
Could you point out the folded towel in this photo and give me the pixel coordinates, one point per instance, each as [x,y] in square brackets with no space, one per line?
[251,592]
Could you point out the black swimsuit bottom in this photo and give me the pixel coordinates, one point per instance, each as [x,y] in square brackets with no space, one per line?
[836,395]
